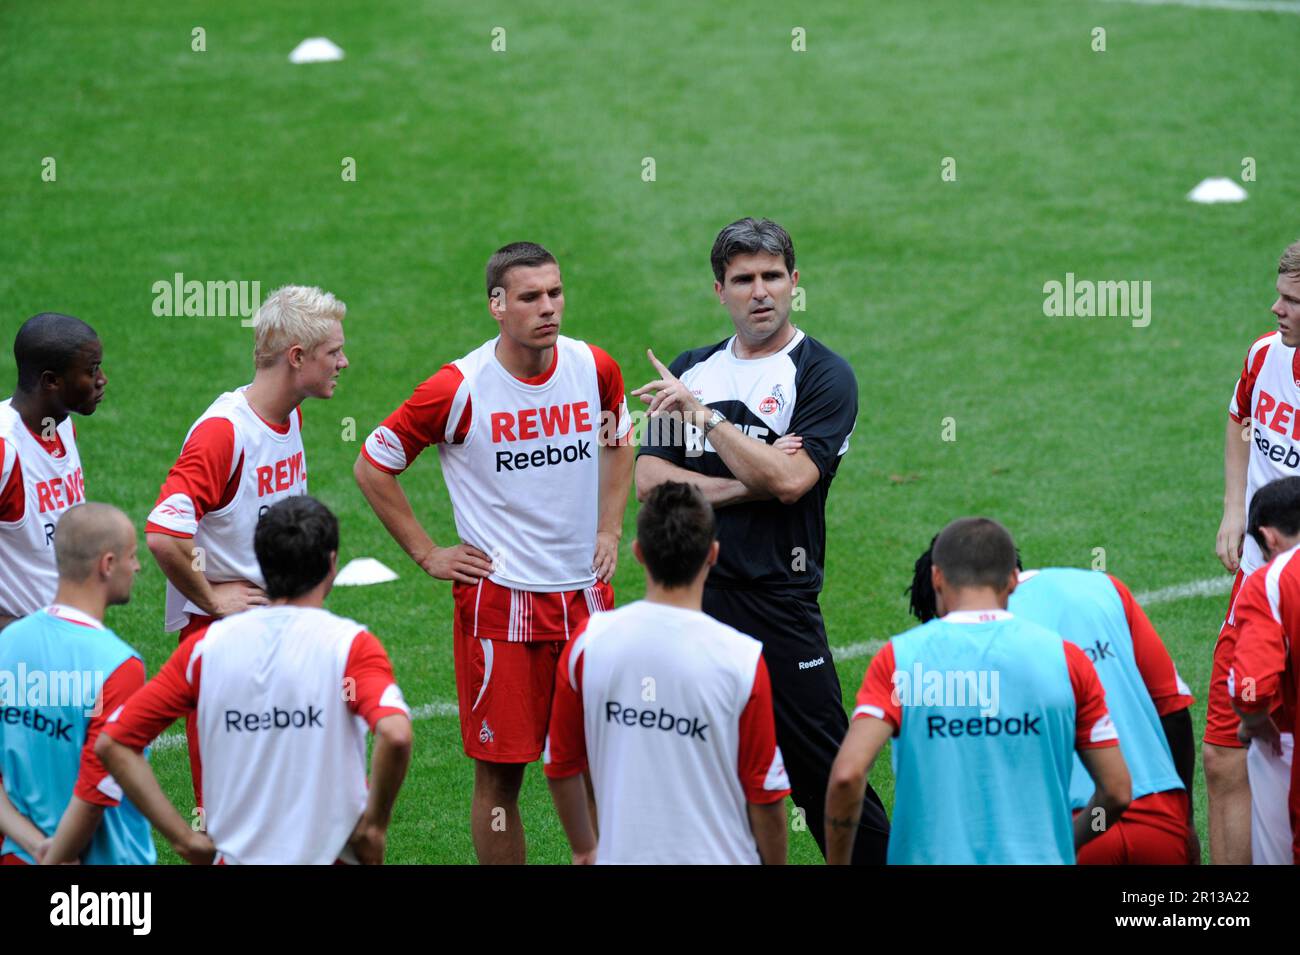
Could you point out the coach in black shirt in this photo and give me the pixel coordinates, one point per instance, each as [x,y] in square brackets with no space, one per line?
[759,422]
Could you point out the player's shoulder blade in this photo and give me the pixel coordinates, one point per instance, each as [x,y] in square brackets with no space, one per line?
[811,354]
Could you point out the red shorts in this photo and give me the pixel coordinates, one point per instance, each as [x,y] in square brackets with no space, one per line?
[1221,720]
[1152,831]
[13,858]
[504,687]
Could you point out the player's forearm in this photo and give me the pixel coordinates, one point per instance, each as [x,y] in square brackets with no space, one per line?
[1110,774]
[758,465]
[76,827]
[386,498]
[616,465]
[1236,458]
[843,812]
[570,797]
[17,826]
[139,785]
[176,556]
[767,823]
[718,491]
[388,765]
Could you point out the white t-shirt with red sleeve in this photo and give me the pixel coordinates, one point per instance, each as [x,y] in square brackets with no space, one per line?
[1267,392]
[521,461]
[670,713]
[233,466]
[284,697]
[39,480]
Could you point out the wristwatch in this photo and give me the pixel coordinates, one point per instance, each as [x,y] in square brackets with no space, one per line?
[715,419]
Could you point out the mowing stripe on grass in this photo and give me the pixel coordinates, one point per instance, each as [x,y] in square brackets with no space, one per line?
[1241,6]
[1211,587]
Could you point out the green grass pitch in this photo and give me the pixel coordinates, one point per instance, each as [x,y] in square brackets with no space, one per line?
[1079,433]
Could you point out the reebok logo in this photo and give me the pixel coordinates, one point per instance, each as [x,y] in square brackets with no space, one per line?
[543,457]
[946,728]
[1283,454]
[37,722]
[809,664]
[666,722]
[1099,651]
[276,718]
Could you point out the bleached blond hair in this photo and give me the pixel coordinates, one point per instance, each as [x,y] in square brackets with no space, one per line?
[1289,264]
[293,315]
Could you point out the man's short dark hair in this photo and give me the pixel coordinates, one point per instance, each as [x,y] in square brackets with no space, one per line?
[293,543]
[514,255]
[975,552]
[924,602]
[49,341]
[1275,505]
[675,528]
[749,236]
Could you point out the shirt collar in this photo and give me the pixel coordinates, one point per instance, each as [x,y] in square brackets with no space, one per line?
[977,616]
[72,615]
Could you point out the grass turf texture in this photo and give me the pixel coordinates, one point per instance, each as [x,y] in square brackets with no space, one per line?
[1078,433]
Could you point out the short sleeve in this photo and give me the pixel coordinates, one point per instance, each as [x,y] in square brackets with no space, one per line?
[369,685]
[12,500]
[1093,727]
[200,481]
[1239,407]
[173,693]
[1260,653]
[825,410]
[94,784]
[662,440]
[762,768]
[566,737]
[438,412]
[613,402]
[1168,691]
[877,697]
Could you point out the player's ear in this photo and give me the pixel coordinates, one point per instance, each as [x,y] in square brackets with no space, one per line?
[714,549]
[636,552]
[717,290]
[497,302]
[296,355]
[794,278]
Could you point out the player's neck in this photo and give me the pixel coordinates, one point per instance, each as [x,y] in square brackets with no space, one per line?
[89,600]
[974,598]
[271,397]
[770,346]
[690,597]
[33,412]
[523,362]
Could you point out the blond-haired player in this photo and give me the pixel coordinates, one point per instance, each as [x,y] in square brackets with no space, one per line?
[243,454]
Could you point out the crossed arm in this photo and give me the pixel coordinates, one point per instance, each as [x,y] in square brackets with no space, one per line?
[762,471]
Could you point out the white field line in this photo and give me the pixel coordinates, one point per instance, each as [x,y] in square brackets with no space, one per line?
[1211,587]
[1239,6]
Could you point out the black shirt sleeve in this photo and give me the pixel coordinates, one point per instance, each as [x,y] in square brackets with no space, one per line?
[666,442]
[826,408]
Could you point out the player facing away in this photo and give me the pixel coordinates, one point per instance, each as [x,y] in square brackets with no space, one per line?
[1261,444]
[533,436]
[284,753]
[1147,699]
[670,712]
[986,710]
[60,373]
[1265,677]
[739,401]
[242,455]
[59,804]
